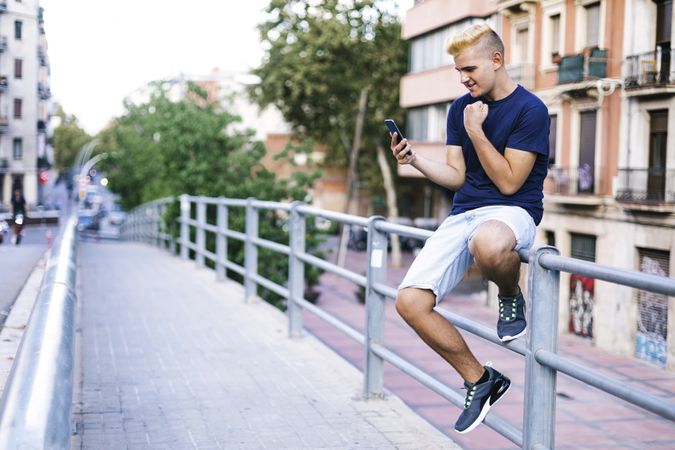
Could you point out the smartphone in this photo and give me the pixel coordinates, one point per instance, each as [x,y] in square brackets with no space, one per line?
[393,128]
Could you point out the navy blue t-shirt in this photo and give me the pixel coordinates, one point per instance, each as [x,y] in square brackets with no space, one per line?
[519,121]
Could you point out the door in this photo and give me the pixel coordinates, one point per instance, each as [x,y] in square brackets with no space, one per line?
[656,174]
[586,169]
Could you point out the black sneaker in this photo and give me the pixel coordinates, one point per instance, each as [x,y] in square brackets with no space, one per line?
[479,398]
[511,323]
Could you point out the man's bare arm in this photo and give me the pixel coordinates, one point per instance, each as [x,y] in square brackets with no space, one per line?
[450,175]
[507,172]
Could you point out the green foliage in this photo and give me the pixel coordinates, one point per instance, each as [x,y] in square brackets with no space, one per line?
[319,57]
[68,139]
[167,148]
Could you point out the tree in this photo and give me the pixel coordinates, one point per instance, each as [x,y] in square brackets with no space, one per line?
[162,148]
[321,59]
[68,139]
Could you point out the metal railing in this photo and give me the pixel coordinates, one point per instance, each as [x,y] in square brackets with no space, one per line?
[571,180]
[592,64]
[37,400]
[650,69]
[652,185]
[540,351]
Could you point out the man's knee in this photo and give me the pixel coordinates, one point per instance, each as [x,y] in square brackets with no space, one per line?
[411,302]
[491,244]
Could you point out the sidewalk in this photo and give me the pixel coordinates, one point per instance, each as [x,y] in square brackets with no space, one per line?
[172,359]
[586,417]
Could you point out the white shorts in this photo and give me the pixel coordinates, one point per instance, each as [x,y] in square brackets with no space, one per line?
[445,257]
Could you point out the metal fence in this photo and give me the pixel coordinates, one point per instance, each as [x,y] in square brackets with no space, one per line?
[540,349]
[37,399]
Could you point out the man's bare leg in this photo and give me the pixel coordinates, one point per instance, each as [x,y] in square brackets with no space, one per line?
[493,247]
[416,308]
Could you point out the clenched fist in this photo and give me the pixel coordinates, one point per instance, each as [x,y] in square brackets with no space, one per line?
[474,116]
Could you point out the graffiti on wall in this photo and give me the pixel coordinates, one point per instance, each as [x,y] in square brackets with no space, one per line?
[652,320]
[581,305]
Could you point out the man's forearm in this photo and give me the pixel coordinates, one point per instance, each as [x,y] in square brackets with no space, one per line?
[440,173]
[496,167]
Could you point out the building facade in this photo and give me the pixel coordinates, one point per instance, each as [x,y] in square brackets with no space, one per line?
[25,99]
[603,68]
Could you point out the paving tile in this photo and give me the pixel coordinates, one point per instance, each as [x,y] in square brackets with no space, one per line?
[173,359]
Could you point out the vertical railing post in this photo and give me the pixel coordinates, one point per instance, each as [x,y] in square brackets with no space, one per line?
[376,272]
[184,227]
[540,381]
[251,250]
[296,270]
[201,232]
[221,241]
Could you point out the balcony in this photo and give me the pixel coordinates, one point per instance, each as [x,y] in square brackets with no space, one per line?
[44,92]
[645,188]
[42,56]
[649,70]
[4,84]
[589,65]
[3,6]
[3,44]
[572,185]
[4,124]
[522,74]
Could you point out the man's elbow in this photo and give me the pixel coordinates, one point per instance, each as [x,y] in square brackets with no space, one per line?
[508,188]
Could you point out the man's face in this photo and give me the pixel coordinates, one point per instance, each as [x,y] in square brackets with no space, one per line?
[476,71]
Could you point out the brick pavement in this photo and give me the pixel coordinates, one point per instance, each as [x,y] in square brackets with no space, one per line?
[171,359]
[586,418]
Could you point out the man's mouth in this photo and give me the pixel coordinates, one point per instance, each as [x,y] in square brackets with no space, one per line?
[470,85]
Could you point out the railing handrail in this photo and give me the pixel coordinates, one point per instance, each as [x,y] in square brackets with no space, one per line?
[36,403]
[545,265]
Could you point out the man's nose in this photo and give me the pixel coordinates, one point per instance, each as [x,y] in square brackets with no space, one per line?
[463,78]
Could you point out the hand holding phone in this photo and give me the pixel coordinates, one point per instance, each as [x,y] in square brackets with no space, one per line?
[393,128]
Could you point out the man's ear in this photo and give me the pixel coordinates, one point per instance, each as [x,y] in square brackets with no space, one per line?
[497,60]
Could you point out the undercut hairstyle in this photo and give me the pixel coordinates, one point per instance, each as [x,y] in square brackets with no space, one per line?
[479,35]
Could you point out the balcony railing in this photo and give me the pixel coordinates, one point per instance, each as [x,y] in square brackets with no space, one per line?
[571,180]
[522,74]
[651,185]
[3,6]
[592,64]
[650,69]
[3,43]
[44,92]
[4,124]
[3,83]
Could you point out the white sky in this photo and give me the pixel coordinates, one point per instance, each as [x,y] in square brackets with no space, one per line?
[101,51]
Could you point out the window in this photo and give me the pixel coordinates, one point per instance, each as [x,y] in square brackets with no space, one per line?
[592,25]
[427,123]
[586,169]
[555,33]
[552,138]
[664,17]
[550,238]
[17,108]
[428,51]
[658,136]
[17,29]
[18,68]
[17,148]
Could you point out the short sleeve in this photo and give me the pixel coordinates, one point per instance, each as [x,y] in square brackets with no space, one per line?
[453,134]
[531,133]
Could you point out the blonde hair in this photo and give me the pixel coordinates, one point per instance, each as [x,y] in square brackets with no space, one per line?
[476,35]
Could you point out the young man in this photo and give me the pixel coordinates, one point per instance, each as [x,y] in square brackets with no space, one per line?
[497,157]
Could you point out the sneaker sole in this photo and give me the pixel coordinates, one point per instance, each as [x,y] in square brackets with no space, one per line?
[484,411]
[510,338]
